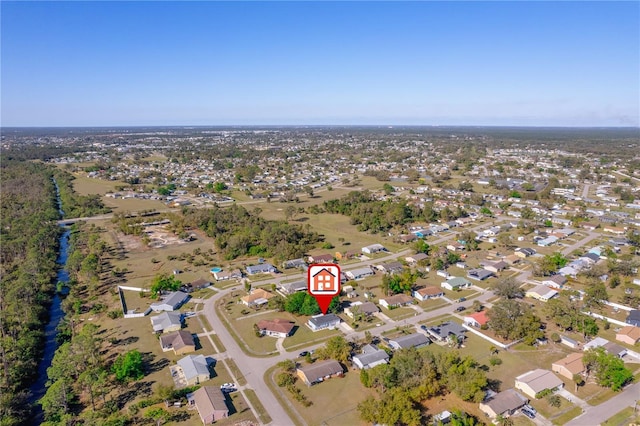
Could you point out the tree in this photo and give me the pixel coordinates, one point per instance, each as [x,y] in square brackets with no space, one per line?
[160,415]
[219,187]
[595,294]
[554,401]
[388,189]
[508,287]
[290,212]
[511,319]
[164,282]
[608,368]
[336,348]
[128,366]
[421,246]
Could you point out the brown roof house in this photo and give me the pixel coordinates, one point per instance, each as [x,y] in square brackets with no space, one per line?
[320,371]
[181,342]
[569,365]
[276,327]
[503,404]
[536,381]
[257,297]
[396,300]
[427,293]
[629,335]
[211,404]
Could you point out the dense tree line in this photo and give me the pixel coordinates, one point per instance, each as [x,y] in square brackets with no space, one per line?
[28,250]
[413,376]
[74,204]
[237,232]
[371,214]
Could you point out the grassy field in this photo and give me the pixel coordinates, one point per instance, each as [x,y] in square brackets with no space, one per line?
[257,405]
[303,336]
[623,417]
[399,313]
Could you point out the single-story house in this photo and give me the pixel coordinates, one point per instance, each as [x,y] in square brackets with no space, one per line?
[194,369]
[609,347]
[590,258]
[287,289]
[512,259]
[455,246]
[567,341]
[276,327]
[370,357]
[536,381]
[523,252]
[234,274]
[181,342]
[320,371]
[415,340]
[321,258]
[322,322]
[629,335]
[367,309]
[415,258]
[569,365]
[541,292]
[426,293]
[170,302]
[210,403]
[391,267]
[456,283]
[261,268]
[503,404]
[447,331]
[479,274]
[407,238]
[167,322]
[200,283]
[496,266]
[294,263]
[555,281]
[633,318]
[396,300]
[545,242]
[257,297]
[616,230]
[568,271]
[359,273]
[373,248]
[477,319]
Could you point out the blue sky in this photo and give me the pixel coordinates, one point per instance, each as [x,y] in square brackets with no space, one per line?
[216,63]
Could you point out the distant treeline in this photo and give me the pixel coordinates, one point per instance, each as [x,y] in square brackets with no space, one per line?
[371,214]
[238,232]
[28,251]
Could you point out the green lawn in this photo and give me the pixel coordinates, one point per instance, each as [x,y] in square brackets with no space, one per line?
[569,414]
[622,418]
[257,405]
[431,304]
[303,335]
[398,314]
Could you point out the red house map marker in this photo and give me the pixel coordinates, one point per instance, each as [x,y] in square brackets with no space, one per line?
[323,283]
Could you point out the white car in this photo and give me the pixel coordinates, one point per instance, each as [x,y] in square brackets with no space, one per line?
[228,385]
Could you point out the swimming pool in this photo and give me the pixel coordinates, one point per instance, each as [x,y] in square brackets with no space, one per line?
[216,269]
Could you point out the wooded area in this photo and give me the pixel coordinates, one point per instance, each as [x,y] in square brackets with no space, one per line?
[28,250]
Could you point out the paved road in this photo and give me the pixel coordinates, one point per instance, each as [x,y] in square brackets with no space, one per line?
[585,191]
[600,413]
[570,249]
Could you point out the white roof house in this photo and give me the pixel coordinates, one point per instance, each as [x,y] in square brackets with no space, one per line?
[170,302]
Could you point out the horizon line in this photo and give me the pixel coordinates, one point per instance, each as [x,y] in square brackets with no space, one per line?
[391,125]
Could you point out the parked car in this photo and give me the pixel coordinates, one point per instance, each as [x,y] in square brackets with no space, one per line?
[528,413]
[460,308]
[462,299]
[530,408]
[303,353]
